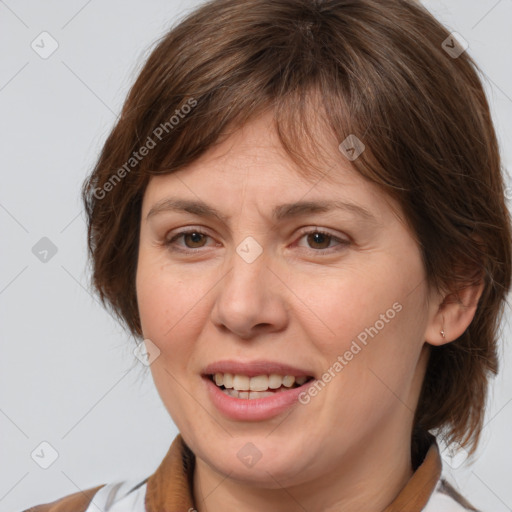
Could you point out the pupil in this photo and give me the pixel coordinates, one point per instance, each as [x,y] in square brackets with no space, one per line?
[315,237]
[195,236]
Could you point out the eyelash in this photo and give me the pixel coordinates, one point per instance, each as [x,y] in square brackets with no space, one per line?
[169,243]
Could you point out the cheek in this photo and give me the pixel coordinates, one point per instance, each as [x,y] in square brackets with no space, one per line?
[169,308]
[373,317]
[168,299]
[339,307]
[371,363]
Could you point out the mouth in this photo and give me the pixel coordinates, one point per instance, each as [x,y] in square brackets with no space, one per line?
[255,387]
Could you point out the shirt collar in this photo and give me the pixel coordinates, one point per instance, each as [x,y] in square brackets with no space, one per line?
[169,488]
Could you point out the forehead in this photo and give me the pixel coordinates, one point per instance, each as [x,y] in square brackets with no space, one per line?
[251,162]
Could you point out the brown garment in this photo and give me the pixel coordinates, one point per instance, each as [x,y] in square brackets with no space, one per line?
[169,488]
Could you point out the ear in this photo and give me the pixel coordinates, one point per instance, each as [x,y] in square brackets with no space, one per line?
[452,313]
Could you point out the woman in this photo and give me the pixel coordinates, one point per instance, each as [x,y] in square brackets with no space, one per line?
[301,212]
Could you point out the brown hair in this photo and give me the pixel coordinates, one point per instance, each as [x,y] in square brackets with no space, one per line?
[374,68]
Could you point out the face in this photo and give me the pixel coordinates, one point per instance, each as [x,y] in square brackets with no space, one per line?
[333,295]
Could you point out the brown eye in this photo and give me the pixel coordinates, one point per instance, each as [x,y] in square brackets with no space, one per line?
[193,239]
[321,239]
[320,242]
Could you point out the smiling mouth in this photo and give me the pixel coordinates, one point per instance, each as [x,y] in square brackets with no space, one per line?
[261,386]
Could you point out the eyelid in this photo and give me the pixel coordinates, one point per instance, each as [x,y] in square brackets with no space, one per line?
[325,231]
[168,242]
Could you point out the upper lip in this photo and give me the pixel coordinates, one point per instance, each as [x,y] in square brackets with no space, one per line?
[255,368]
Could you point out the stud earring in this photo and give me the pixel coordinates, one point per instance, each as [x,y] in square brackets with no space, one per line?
[442,330]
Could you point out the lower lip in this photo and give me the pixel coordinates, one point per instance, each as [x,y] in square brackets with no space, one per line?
[257,409]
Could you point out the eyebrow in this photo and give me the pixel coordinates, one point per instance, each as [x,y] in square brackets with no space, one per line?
[279,213]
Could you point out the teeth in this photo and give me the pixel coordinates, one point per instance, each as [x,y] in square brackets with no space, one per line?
[275,381]
[251,395]
[288,381]
[240,382]
[228,380]
[260,383]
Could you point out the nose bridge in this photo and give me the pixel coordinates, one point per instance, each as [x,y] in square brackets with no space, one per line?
[246,279]
[247,297]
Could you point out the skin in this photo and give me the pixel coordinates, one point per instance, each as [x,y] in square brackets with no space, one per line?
[302,302]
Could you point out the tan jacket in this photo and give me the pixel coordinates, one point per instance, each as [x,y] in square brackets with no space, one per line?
[169,489]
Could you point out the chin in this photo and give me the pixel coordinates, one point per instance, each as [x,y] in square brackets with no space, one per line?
[260,462]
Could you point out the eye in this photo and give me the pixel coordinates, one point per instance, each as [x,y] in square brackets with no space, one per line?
[195,239]
[195,236]
[320,240]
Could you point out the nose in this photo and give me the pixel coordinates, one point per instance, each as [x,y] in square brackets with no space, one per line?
[251,298]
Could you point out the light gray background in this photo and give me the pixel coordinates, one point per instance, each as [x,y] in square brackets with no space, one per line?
[68,375]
